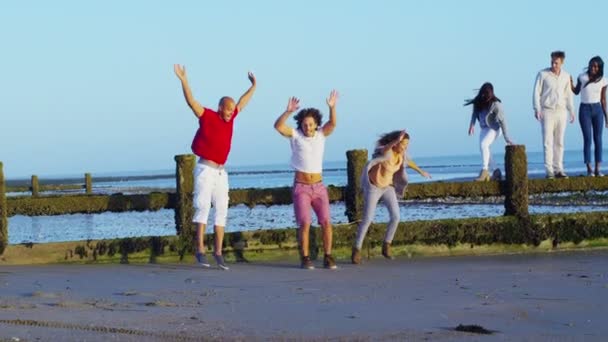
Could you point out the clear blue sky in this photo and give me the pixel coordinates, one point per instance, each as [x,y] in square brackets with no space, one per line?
[89,85]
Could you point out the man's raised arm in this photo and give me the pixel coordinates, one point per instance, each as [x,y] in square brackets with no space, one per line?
[180,72]
[242,103]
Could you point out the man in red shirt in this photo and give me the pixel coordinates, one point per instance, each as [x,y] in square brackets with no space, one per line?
[212,144]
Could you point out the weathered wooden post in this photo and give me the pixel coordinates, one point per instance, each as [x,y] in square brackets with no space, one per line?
[35,186]
[88,183]
[184,175]
[3,213]
[516,184]
[353,196]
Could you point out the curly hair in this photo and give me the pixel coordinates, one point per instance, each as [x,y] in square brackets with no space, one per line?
[387,138]
[308,112]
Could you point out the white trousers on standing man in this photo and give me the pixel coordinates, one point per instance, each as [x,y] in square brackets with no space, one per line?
[554,127]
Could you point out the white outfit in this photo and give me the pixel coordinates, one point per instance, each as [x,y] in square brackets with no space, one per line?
[592,93]
[486,137]
[553,98]
[210,187]
[307,152]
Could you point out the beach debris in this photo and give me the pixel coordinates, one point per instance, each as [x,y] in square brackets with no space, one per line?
[473,328]
[128,293]
[161,304]
[190,281]
[41,294]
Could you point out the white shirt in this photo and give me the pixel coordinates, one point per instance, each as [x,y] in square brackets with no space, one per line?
[307,152]
[553,92]
[592,93]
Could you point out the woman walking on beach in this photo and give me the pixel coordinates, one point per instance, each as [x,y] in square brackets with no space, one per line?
[592,113]
[307,142]
[487,109]
[384,177]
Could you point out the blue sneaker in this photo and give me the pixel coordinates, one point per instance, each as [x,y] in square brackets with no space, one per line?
[220,262]
[201,259]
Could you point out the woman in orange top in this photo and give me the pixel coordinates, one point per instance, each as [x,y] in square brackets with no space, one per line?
[384,178]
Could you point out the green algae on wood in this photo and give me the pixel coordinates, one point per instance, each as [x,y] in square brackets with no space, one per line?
[35,186]
[504,233]
[184,211]
[88,204]
[3,212]
[516,184]
[353,196]
[88,184]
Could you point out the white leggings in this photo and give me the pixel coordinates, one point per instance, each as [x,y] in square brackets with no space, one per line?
[486,137]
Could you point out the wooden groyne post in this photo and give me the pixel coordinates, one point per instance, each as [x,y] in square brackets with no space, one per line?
[184,175]
[353,193]
[88,184]
[3,213]
[35,186]
[516,183]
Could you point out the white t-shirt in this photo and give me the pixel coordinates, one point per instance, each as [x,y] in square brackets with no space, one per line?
[592,93]
[307,152]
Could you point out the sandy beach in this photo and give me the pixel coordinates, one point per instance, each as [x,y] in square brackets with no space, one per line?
[556,296]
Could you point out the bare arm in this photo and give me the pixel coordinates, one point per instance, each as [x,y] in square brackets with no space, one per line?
[603,101]
[330,125]
[472,123]
[576,90]
[196,107]
[240,105]
[292,105]
[413,166]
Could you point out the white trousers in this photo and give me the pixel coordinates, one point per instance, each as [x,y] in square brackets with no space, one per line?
[487,136]
[554,126]
[210,187]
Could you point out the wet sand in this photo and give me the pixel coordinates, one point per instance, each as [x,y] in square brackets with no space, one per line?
[547,297]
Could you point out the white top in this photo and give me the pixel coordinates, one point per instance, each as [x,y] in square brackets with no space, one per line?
[553,92]
[592,93]
[307,152]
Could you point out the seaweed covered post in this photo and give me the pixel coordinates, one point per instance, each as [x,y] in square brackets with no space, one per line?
[88,184]
[184,175]
[353,196]
[35,186]
[516,184]
[3,213]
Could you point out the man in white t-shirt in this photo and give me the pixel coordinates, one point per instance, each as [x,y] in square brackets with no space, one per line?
[592,112]
[307,142]
[552,100]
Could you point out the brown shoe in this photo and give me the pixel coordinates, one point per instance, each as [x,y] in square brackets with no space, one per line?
[356,256]
[307,263]
[329,262]
[386,250]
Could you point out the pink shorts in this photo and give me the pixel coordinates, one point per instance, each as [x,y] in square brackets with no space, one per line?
[306,196]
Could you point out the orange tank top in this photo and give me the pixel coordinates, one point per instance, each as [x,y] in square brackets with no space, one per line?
[381,174]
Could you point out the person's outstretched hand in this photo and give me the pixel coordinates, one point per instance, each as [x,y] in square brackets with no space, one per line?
[332,100]
[180,71]
[293,104]
[251,77]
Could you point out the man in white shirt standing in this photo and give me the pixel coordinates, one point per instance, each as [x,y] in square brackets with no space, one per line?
[552,99]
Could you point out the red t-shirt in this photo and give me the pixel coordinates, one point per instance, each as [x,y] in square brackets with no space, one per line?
[214,136]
